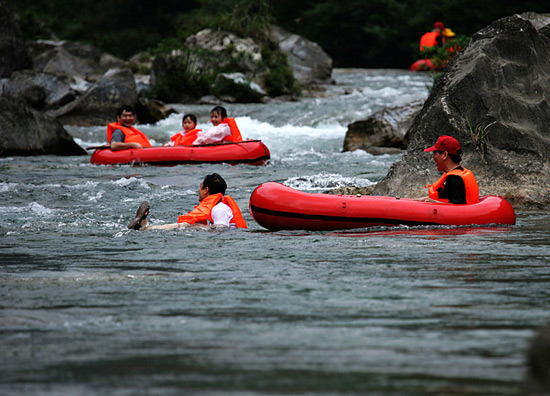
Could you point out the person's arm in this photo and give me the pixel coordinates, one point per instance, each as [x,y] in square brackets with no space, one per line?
[117,142]
[214,135]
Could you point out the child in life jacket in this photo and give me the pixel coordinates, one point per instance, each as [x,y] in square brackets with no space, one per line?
[215,210]
[188,134]
[225,129]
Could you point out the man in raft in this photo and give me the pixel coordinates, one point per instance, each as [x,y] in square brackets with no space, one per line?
[457,185]
[433,38]
[215,210]
[122,135]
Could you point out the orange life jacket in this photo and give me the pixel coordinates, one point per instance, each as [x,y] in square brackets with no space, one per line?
[203,211]
[131,134]
[428,40]
[185,139]
[235,133]
[470,185]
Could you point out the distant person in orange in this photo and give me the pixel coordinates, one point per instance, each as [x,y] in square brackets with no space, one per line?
[188,134]
[433,38]
[121,135]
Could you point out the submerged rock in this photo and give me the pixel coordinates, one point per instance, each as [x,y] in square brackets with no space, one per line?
[24,131]
[537,379]
[494,98]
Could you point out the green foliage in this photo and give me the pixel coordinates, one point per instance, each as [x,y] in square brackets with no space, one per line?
[440,56]
[279,79]
[249,18]
[355,33]
[185,77]
[478,137]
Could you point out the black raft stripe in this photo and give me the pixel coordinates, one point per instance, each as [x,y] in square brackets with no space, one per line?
[338,218]
[190,162]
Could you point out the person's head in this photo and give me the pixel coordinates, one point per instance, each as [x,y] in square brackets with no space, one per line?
[189,121]
[217,115]
[446,152]
[212,184]
[439,27]
[126,115]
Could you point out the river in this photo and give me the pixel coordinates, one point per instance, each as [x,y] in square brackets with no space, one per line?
[90,308]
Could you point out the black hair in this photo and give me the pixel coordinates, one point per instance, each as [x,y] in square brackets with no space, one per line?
[454,157]
[220,110]
[192,117]
[215,184]
[125,108]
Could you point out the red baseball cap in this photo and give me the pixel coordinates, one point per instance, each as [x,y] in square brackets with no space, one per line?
[445,143]
[439,25]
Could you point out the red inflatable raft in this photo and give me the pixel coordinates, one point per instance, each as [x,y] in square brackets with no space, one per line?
[422,65]
[252,152]
[278,207]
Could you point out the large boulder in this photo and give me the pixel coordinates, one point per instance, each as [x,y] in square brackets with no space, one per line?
[69,59]
[386,128]
[494,98]
[40,90]
[24,131]
[310,64]
[13,51]
[97,105]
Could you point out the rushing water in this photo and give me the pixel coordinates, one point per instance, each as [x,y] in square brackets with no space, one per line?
[90,308]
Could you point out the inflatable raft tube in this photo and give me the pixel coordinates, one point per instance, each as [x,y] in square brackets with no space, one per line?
[278,207]
[252,152]
[422,65]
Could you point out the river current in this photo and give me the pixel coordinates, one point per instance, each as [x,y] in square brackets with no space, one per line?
[90,308]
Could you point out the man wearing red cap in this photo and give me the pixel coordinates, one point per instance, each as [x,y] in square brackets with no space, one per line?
[433,38]
[457,185]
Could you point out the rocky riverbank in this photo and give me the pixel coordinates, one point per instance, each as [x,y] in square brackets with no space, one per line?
[66,83]
[494,98]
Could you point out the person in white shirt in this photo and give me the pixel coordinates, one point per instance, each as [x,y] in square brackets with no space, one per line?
[220,130]
[215,210]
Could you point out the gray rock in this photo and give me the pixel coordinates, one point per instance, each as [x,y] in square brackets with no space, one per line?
[498,85]
[69,59]
[40,90]
[149,111]
[99,103]
[13,51]
[386,128]
[310,64]
[537,20]
[24,131]
[237,86]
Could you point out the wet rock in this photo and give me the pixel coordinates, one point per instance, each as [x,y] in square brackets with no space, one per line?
[40,90]
[149,111]
[383,130]
[310,64]
[237,86]
[24,131]
[13,51]
[99,103]
[537,380]
[494,98]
